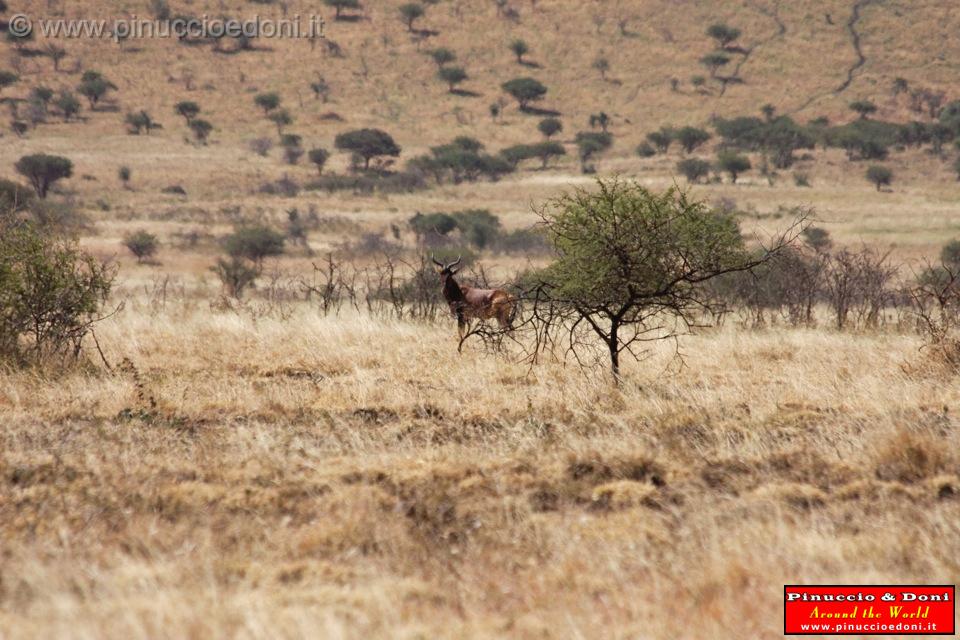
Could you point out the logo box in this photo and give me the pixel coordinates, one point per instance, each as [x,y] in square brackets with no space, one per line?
[869,610]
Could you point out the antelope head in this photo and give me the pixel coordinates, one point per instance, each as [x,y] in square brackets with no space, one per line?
[447,270]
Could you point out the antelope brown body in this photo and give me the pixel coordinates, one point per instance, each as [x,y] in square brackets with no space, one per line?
[469,303]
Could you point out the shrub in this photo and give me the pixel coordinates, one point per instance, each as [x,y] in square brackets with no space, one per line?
[43,171]
[51,292]
[281,118]
[646,150]
[524,241]
[142,244]
[8,79]
[368,144]
[254,243]
[479,227]
[517,153]
[14,198]
[694,169]
[431,227]
[714,61]
[124,173]
[400,182]
[549,127]
[140,122]
[879,175]
[236,275]
[733,164]
[547,150]
[68,105]
[261,146]
[590,143]
[525,90]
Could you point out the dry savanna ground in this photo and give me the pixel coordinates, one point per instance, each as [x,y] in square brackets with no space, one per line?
[243,471]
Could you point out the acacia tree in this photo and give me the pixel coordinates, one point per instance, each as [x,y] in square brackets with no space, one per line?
[367,144]
[525,90]
[43,170]
[631,264]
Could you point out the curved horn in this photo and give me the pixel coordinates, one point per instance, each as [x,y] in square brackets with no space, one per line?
[455,263]
[436,262]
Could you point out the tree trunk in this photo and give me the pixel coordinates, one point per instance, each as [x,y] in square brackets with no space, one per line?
[613,344]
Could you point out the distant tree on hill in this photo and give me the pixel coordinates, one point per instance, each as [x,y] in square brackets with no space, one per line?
[733,164]
[8,79]
[691,137]
[646,150]
[768,111]
[140,121]
[723,34]
[124,173]
[94,87]
[589,144]
[546,151]
[340,5]
[410,12]
[452,76]
[549,127]
[43,171]
[267,101]
[602,65]
[661,139]
[694,169]
[68,105]
[368,144]
[56,53]
[864,108]
[714,62]
[519,49]
[601,120]
[201,130]
[318,157]
[187,110]
[879,175]
[525,90]
[442,56]
[281,118]
[321,89]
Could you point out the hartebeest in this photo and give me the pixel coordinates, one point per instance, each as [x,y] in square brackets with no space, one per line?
[468,303]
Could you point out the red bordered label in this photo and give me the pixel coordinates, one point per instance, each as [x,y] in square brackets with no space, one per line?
[869,610]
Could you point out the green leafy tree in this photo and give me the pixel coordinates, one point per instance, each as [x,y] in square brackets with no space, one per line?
[479,227]
[410,12]
[714,62]
[187,110]
[631,264]
[267,101]
[340,5]
[723,34]
[589,144]
[68,105]
[950,254]
[52,294]
[880,176]
[280,118]
[318,157]
[8,79]
[662,139]
[442,56]
[367,144]
[94,87]
[525,90]
[43,171]
[547,151]
[646,150]
[201,130]
[452,76]
[254,243]
[550,127]
[690,138]
[733,164]
[519,49]
[236,275]
[864,108]
[142,244]
[694,169]
[56,53]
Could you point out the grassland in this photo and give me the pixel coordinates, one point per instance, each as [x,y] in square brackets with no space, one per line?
[239,472]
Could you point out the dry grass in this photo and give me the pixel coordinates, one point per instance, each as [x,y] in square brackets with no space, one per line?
[356,477]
